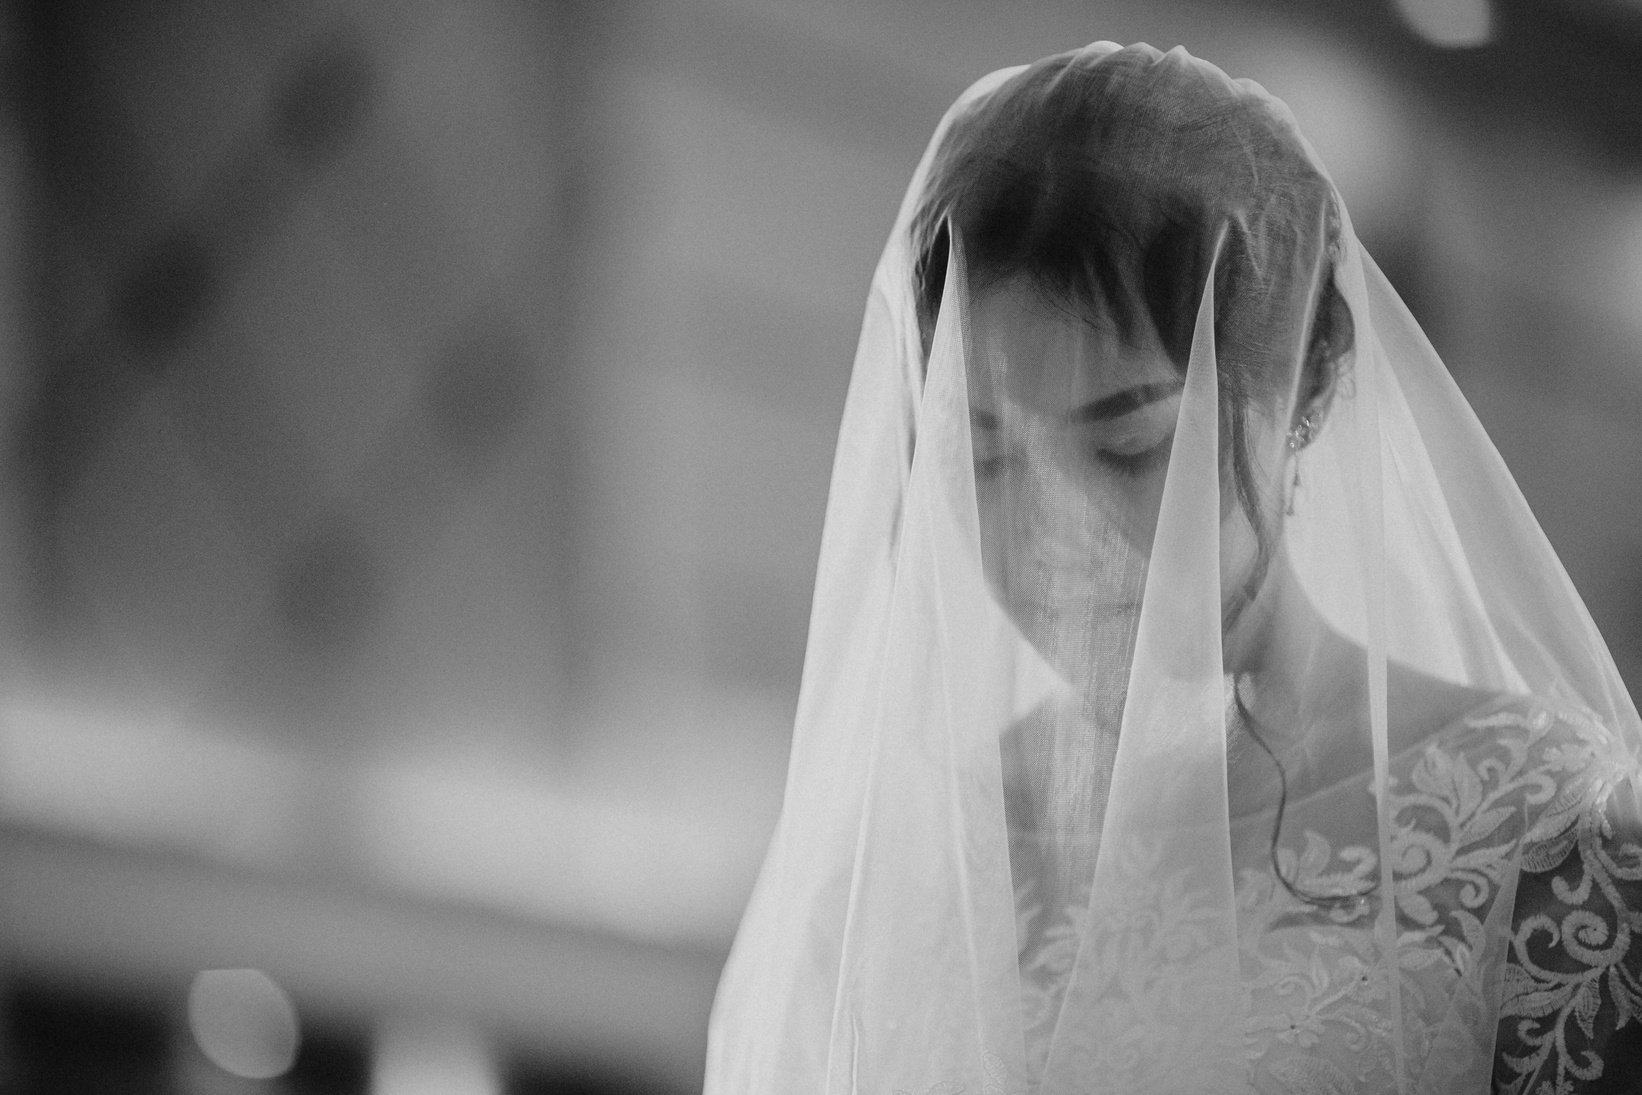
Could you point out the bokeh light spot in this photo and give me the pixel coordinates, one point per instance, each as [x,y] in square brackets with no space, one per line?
[243,1022]
[1451,24]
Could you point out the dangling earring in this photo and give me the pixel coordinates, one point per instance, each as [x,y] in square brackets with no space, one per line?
[1300,435]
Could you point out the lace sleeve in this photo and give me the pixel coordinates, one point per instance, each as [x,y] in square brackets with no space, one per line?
[1571,1009]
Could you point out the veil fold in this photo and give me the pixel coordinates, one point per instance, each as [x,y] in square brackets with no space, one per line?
[1192,703]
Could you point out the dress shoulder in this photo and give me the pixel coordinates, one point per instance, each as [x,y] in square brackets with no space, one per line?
[1570,999]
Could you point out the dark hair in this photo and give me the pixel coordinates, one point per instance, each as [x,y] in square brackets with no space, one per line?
[1107,179]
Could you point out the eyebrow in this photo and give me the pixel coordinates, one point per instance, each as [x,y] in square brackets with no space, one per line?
[1126,401]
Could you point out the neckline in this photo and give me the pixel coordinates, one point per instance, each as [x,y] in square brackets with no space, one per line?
[1463,722]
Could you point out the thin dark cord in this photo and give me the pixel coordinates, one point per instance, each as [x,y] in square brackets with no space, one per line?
[1323,901]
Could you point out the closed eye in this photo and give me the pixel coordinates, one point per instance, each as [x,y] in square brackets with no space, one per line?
[1137,464]
[1136,441]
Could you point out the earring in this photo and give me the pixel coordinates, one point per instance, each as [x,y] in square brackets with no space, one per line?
[1303,432]
[1300,435]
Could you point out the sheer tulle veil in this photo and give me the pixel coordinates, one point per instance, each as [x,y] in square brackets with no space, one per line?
[1162,556]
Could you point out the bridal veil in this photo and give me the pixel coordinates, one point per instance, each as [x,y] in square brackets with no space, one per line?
[1192,703]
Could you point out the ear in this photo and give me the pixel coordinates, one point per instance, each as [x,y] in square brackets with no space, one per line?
[1311,410]
[1327,357]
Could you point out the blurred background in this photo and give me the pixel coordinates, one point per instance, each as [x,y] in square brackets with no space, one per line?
[415,424]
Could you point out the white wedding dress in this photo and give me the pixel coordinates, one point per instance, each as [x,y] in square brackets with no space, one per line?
[1506,835]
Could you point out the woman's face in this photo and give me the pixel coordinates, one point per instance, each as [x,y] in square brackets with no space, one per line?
[1071,428]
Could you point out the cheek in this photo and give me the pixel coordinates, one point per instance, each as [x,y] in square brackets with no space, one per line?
[1243,558]
[1062,543]
[1239,553]
[1137,507]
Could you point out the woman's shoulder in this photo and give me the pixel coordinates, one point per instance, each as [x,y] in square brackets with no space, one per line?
[1551,762]
[1570,1012]
[1534,800]
[1563,756]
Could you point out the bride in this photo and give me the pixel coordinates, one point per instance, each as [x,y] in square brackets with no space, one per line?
[1192,704]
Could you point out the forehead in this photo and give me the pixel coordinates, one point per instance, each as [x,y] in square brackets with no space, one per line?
[1031,350]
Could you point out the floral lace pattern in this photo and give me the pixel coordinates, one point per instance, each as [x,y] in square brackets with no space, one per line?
[1507,817]
[1573,988]
[1149,985]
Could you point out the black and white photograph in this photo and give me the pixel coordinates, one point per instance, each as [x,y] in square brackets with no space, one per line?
[820,547]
